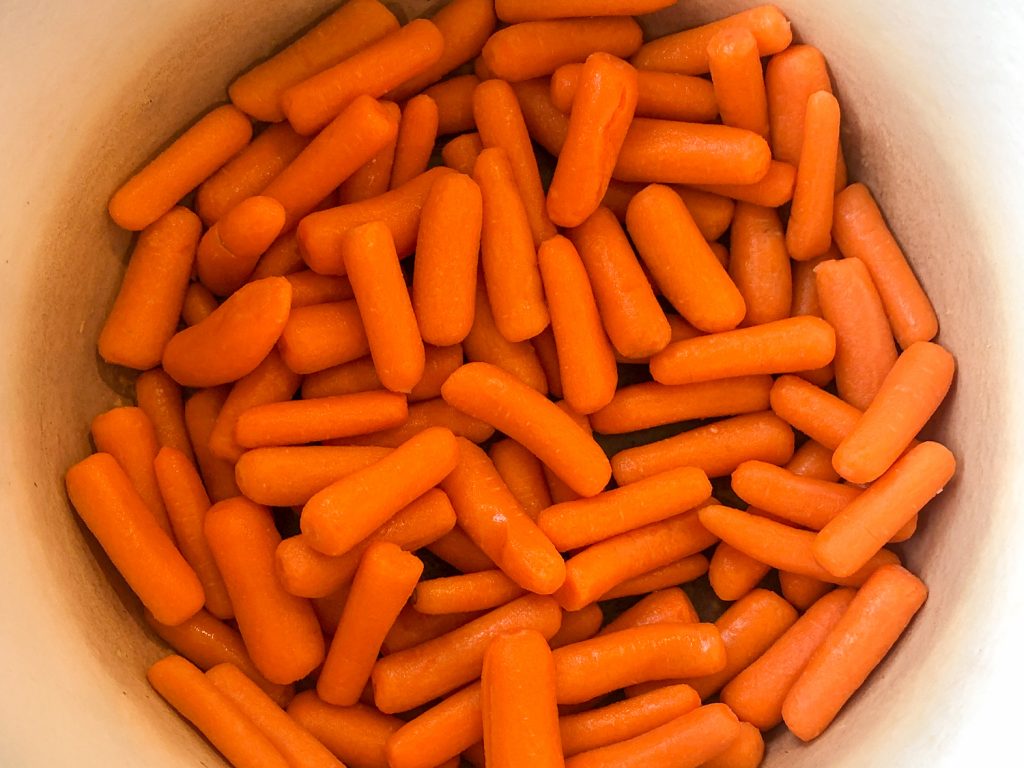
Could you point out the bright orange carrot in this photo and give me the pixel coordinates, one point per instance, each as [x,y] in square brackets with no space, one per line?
[802,501]
[735,65]
[486,344]
[716,448]
[679,572]
[309,288]
[373,177]
[548,126]
[356,735]
[231,247]
[289,476]
[201,411]
[412,628]
[447,260]
[809,232]
[417,675]
[659,94]
[361,376]
[492,395]
[909,395]
[329,608]
[805,287]
[282,258]
[462,594]
[578,626]
[683,266]
[535,48]
[857,643]
[774,189]
[821,416]
[460,153]
[198,305]
[514,11]
[666,606]
[149,302]
[560,491]
[746,751]
[423,415]
[812,459]
[732,573]
[159,396]
[180,168]
[802,591]
[523,474]
[517,696]
[404,53]
[322,336]
[759,264]
[460,552]
[547,355]
[417,133]
[233,340]
[861,233]
[216,716]
[443,731]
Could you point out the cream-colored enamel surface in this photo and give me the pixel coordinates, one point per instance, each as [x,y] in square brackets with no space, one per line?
[932,111]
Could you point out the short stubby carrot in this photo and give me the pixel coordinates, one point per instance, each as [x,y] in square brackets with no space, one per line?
[759,263]
[803,501]
[732,573]
[417,133]
[735,65]
[288,476]
[231,247]
[321,336]
[159,396]
[233,340]
[809,231]
[802,591]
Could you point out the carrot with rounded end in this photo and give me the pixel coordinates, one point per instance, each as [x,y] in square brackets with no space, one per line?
[661,95]
[289,476]
[578,626]
[680,572]
[417,133]
[756,694]
[559,490]
[233,340]
[665,606]
[603,108]
[412,628]
[281,258]
[805,287]
[733,573]
[141,551]
[746,751]
[216,715]
[909,395]
[781,546]
[447,259]
[443,731]
[417,675]
[127,434]
[361,376]
[492,395]
[486,344]
[462,594]
[759,264]
[201,411]
[517,696]
[681,262]
[187,504]
[523,473]
[809,232]
[198,305]
[781,346]
[514,11]
[356,735]
[857,643]
[547,125]
[460,154]
[159,397]
[711,213]
[812,459]
[149,302]
[180,168]
[802,591]
[818,414]
[861,233]
[309,288]
[735,65]
[876,515]
[389,61]
[634,321]
[716,448]
[423,415]
[651,404]
[321,233]
[322,336]
[534,48]
[460,552]
[803,501]
[231,247]
[280,630]
[686,52]
[774,189]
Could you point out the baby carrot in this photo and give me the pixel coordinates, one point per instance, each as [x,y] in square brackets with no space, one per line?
[216,716]
[198,305]
[578,626]
[576,524]
[443,731]
[733,573]
[534,48]
[650,404]
[417,133]
[322,336]
[781,346]
[746,750]
[869,521]
[361,376]
[401,54]
[661,95]
[373,177]
[634,321]
[345,512]
[180,168]
[547,355]
[309,288]
[352,27]
[805,287]
[159,397]
[735,65]
[857,643]
[666,606]
[357,735]
[460,153]
[802,501]
[231,247]
[447,260]
[686,52]
[384,305]
[812,459]
[423,415]
[329,607]
[460,552]
[417,675]
[201,412]
[602,110]
[141,551]
[818,414]
[587,363]
[683,266]
[774,189]
[282,258]
[546,123]
[711,213]
[468,592]
[759,264]
[233,340]
[673,574]
[861,233]
[513,11]
[523,474]
[802,591]
[149,302]
[716,448]
[909,395]
[809,232]
[486,344]
[412,628]
[382,584]
[517,695]
[492,395]
[289,476]
[280,630]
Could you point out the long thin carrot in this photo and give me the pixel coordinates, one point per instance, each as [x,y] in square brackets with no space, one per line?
[357,735]
[201,412]
[465,593]
[735,65]
[680,572]
[159,396]
[322,336]
[361,376]
[802,501]
[659,94]
[578,626]
[809,232]
[523,474]
[665,606]
[231,247]
[460,153]
[759,264]
[412,628]
[443,731]
[289,476]
[774,189]
[486,344]
[871,625]
[423,415]
[733,573]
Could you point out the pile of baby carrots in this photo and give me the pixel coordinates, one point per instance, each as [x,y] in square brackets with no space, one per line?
[375,478]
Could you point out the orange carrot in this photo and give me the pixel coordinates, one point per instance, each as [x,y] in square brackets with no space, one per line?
[443,731]
[460,153]
[159,396]
[423,415]
[230,248]
[459,551]
[732,573]
[322,336]
[329,608]
[361,376]
[548,126]
[578,626]
[373,177]
[746,751]
[716,448]
[802,501]
[492,395]
[686,52]
[447,259]
[759,264]
[802,591]
[201,412]
[774,189]
[517,695]
[382,584]
[233,340]
[659,94]
[861,233]
[812,459]
[805,287]
[417,133]
[352,27]
[651,404]
[486,344]
[198,305]
[523,474]
[412,628]
[666,606]
[513,11]
[282,258]
[216,716]
[289,476]
[404,53]
[357,735]
[809,232]
[683,266]
[462,594]
[857,643]
[679,572]
[309,288]
[735,65]
[180,168]
[547,355]
[909,395]
[152,294]
[535,48]
[818,414]
[560,491]
[417,675]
